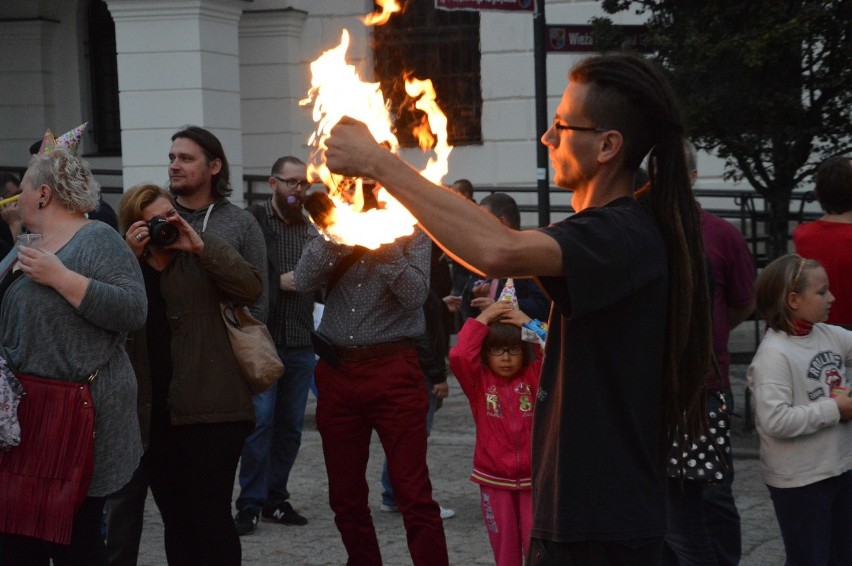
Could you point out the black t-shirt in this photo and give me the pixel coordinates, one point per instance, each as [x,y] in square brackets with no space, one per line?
[598,472]
[159,341]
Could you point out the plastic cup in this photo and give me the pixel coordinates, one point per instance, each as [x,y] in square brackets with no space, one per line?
[28,240]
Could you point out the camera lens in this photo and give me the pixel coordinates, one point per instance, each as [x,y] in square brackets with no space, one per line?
[162,233]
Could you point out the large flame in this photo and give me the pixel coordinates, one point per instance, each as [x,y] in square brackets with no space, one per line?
[336,91]
[389,7]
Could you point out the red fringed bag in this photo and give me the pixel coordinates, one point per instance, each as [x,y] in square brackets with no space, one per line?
[44,480]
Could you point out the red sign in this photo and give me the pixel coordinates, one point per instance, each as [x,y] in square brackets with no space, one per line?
[479,5]
[579,39]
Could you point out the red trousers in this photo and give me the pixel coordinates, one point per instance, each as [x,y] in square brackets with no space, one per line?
[384,394]
[508,518]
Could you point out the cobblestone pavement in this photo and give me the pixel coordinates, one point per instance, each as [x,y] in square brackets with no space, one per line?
[450,460]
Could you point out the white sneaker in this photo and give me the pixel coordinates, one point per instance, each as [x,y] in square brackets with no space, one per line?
[445,513]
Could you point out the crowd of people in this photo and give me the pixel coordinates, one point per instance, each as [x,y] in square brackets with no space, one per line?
[593,352]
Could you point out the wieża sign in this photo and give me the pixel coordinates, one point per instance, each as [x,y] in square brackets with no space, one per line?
[580,39]
[478,5]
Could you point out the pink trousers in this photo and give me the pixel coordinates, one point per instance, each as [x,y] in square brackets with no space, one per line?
[508,518]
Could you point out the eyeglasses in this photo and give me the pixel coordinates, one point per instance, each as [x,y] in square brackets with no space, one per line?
[293,183]
[500,350]
[560,127]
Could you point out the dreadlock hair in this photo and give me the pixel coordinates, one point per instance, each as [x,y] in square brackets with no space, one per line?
[631,96]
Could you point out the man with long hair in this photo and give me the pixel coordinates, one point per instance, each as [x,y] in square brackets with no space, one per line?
[630,339]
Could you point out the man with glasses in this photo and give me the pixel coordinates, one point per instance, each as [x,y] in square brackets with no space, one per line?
[269,453]
[630,338]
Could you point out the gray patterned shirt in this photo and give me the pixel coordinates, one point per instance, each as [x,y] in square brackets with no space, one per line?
[379,298]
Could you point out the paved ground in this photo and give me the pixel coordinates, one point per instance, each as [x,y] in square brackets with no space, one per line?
[450,458]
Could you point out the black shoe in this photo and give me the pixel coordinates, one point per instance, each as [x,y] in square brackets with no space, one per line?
[246,521]
[284,514]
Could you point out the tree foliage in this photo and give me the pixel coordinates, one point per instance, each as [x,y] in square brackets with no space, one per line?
[765,84]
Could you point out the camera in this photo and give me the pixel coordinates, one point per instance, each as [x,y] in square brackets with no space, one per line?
[161,232]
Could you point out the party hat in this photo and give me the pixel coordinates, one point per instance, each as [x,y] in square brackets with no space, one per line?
[508,294]
[71,139]
[48,142]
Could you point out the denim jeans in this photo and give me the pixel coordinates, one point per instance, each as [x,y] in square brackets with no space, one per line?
[704,524]
[125,510]
[720,512]
[270,451]
[816,521]
[387,490]
[687,541]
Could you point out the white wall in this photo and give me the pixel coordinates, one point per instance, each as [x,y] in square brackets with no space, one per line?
[41,73]
[278,40]
[44,83]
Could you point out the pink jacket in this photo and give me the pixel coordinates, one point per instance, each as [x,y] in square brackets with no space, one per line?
[502,411]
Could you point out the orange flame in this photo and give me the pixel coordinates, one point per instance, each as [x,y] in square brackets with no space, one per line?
[423,133]
[434,120]
[389,7]
[336,91]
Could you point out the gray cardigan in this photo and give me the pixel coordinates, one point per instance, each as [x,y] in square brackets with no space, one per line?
[42,334]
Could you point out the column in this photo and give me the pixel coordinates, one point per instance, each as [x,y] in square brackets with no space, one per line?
[178,65]
[26,85]
[273,79]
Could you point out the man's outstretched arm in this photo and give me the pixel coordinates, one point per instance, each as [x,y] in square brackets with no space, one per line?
[468,233]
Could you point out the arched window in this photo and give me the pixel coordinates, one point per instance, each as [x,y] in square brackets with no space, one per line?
[105,128]
[432,44]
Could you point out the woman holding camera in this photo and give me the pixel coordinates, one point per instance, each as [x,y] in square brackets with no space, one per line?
[195,409]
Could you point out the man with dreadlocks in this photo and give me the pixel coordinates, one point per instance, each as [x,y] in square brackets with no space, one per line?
[629,341]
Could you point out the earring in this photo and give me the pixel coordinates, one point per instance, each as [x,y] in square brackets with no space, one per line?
[40,204]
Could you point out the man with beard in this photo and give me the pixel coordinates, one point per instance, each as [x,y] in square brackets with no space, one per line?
[200,180]
[629,343]
[269,453]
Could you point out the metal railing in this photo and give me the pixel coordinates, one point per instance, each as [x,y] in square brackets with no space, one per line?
[748,210]
[108,188]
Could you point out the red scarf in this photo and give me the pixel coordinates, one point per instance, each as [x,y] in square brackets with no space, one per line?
[802,327]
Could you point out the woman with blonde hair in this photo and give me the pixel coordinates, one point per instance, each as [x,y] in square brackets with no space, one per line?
[68,304]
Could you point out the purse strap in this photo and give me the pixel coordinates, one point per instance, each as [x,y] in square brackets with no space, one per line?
[342,267]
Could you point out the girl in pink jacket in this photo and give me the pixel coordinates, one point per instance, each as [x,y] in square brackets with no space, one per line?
[499,373]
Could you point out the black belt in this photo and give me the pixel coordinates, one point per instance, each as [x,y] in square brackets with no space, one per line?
[361,353]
